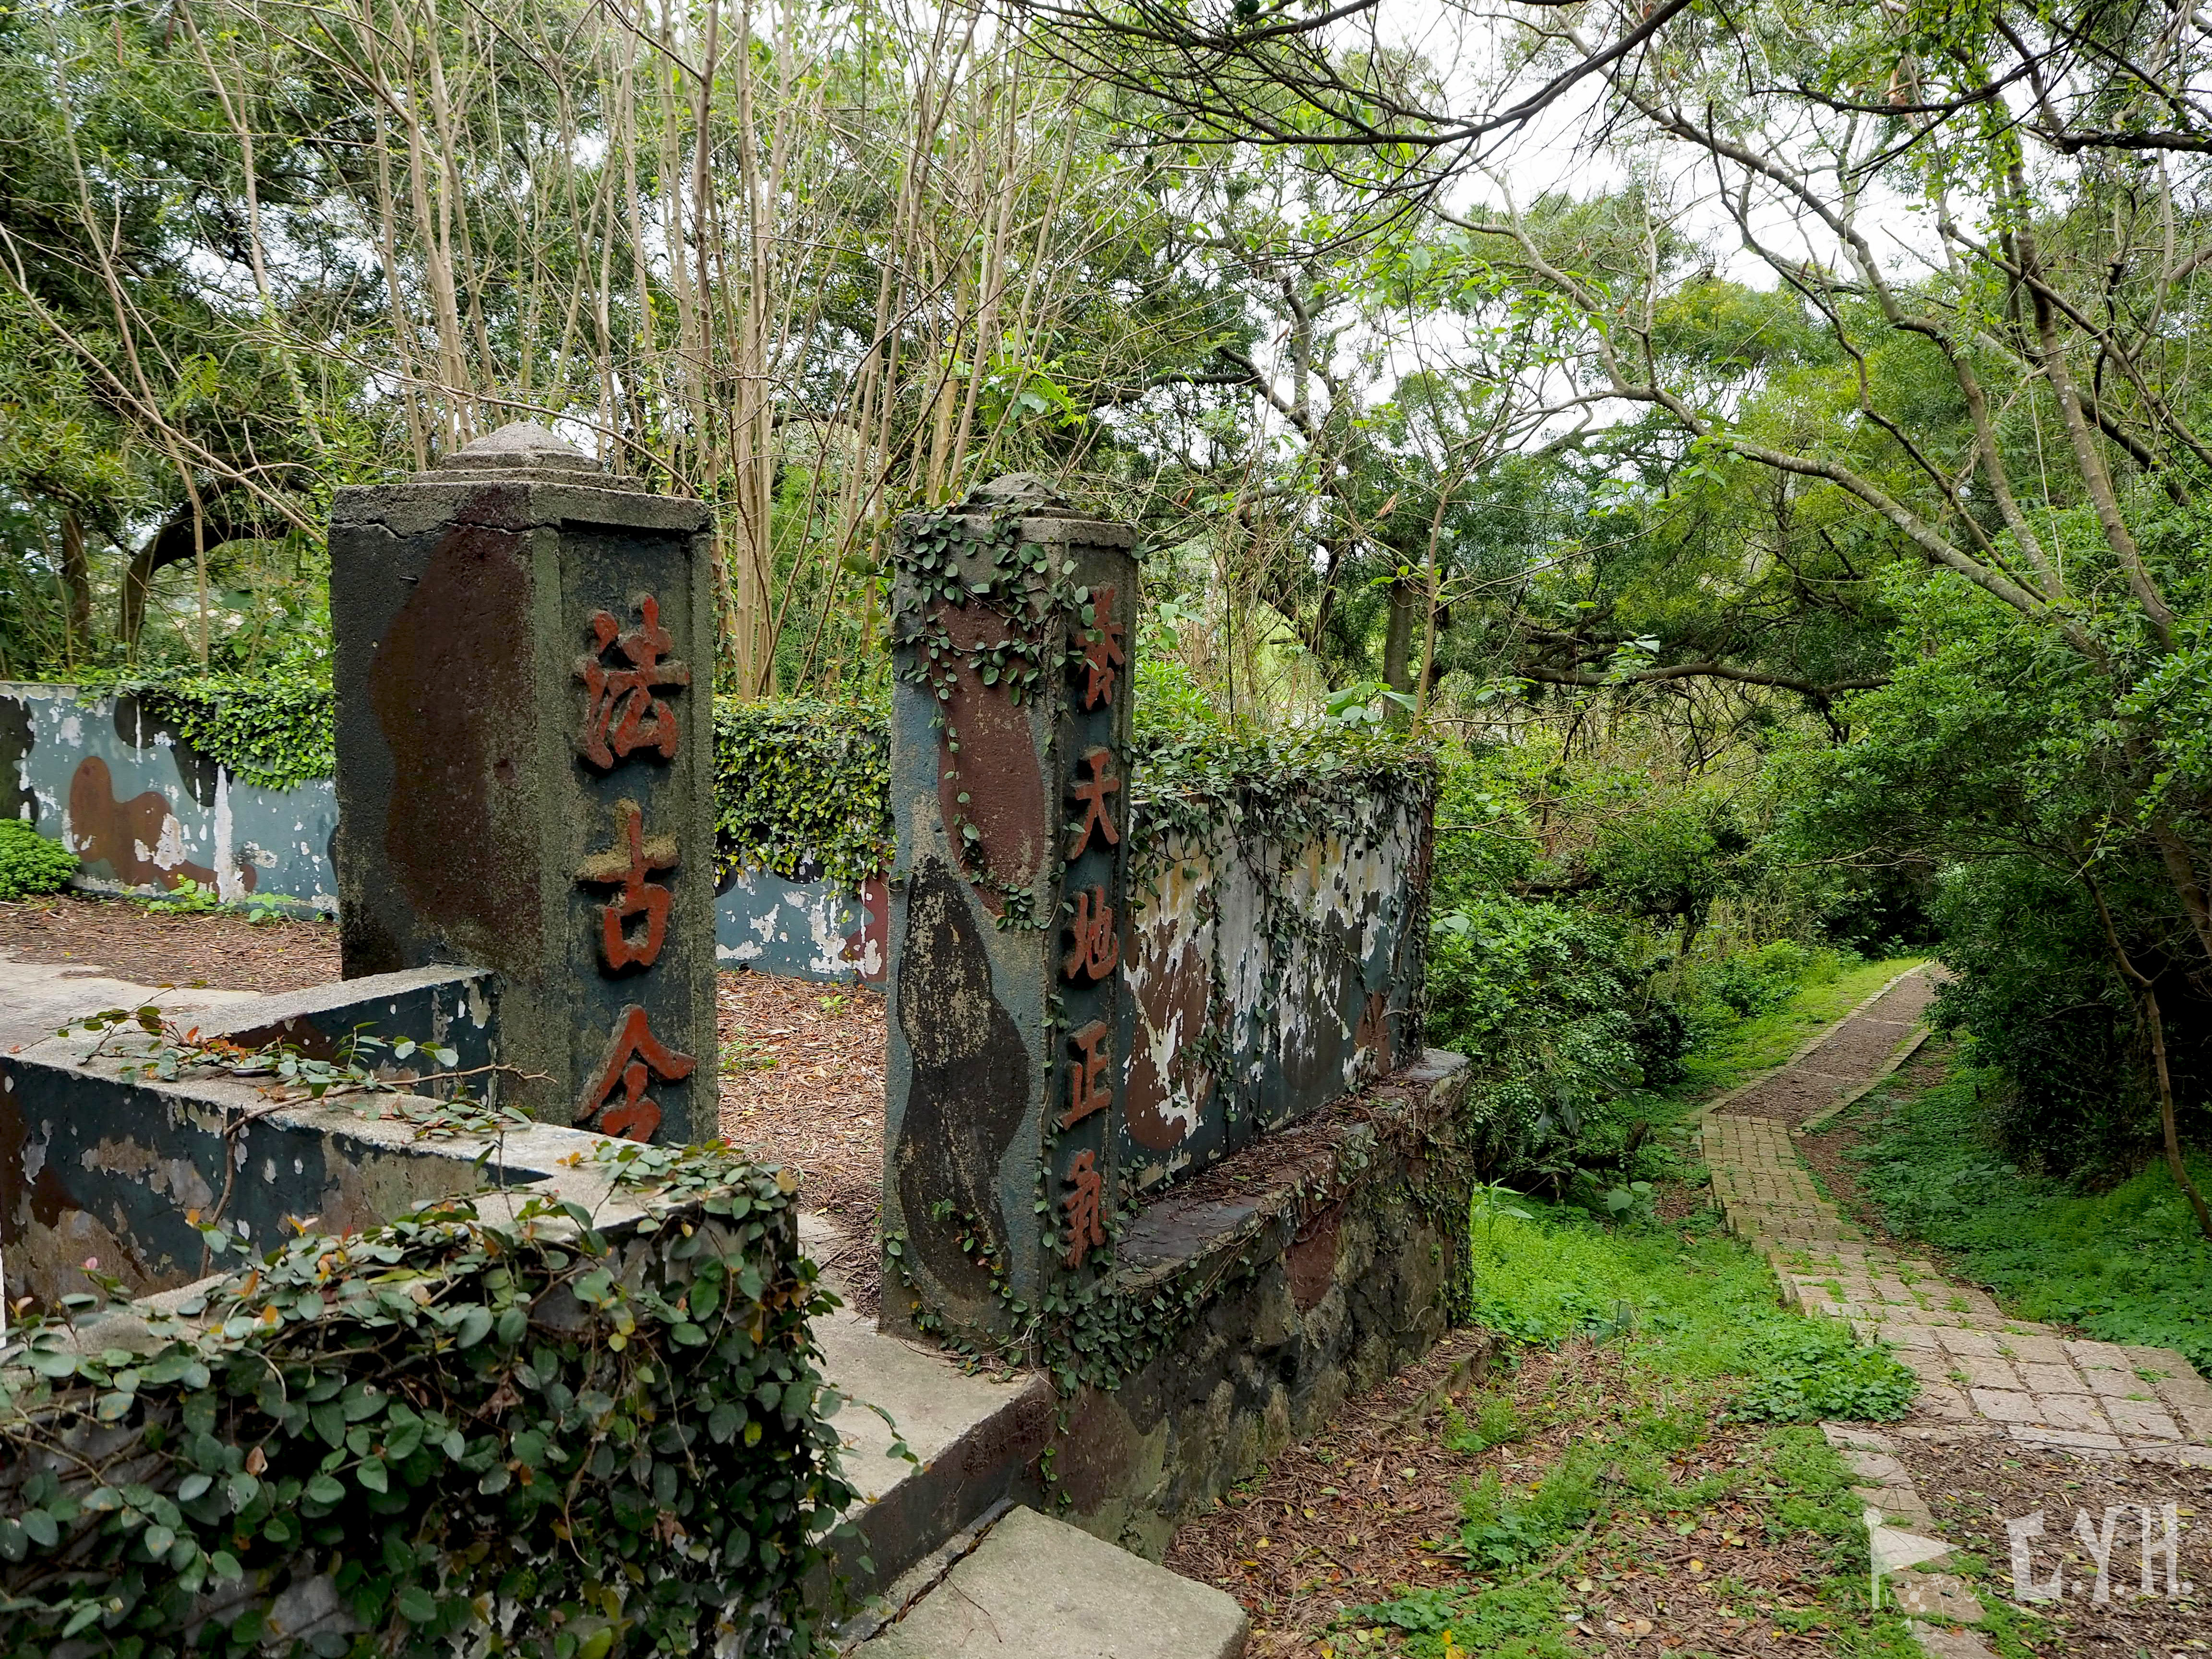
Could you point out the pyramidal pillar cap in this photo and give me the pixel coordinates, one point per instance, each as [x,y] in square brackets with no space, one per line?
[524,451]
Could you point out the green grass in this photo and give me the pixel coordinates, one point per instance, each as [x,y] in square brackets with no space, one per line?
[1700,1318]
[1742,1048]
[1692,1312]
[2126,1265]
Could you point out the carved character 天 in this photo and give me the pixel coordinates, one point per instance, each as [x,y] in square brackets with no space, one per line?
[635,1060]
[1095,944]
[1090,794]
[1088,1088]
[622,714]
[634,856]
[1104,653]
[1087,1230]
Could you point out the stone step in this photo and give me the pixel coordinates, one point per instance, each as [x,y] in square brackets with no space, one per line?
[970,1442]
[1039,1588]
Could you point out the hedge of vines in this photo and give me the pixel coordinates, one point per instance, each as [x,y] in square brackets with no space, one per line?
[452,1433]
[801,786]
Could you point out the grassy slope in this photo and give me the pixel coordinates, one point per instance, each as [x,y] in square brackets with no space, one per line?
[1704,1342]
[2127,1265]
[1740,1050]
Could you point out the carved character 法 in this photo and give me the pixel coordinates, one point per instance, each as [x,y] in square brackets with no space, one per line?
[621,715]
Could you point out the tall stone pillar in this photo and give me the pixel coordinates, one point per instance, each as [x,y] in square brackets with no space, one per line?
[1010,792]
[524,648]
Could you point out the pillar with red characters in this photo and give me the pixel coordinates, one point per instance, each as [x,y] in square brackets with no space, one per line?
[1011,792]
[524,674]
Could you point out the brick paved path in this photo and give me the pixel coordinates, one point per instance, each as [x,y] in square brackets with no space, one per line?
[1981,1373]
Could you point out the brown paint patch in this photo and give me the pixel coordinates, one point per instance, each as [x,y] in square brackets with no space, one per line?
[1373,1031]
[115,838]
[452,693]
[997,767]
[970,1087]
[1175,995]
[1311,1260]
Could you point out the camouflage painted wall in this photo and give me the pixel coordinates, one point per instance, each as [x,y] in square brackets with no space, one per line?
[144,810]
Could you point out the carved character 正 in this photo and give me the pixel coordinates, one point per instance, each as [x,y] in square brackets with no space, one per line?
[1088,1089]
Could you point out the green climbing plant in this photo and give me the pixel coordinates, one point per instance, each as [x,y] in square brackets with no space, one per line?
[461,1428]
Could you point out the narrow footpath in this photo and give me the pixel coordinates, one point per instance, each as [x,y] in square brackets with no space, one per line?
[1984,1377]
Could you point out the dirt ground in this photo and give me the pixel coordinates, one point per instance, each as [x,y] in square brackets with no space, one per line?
[1977,1481]
[1357,1514]
[803,1084]
[127,941]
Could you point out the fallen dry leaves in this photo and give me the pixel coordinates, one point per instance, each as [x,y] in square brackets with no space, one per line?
[1353,1517]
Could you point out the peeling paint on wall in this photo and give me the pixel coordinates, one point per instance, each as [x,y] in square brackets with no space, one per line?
[1265,981]
[144,811]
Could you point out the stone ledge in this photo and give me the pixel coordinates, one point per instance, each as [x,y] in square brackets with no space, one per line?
[1257,1200]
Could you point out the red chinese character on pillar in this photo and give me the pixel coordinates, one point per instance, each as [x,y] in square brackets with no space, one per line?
[1091,792]
[1087,1230]
[1088,1088]
[622,714]
[1096,945]
[635,1058]
[634,856]
[1106,652]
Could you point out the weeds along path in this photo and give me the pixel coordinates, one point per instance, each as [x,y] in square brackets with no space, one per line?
[2018,1388]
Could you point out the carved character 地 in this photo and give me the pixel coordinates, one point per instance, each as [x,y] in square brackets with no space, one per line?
[1095,944]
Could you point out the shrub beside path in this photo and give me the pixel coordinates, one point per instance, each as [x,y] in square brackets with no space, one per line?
[1983,1376]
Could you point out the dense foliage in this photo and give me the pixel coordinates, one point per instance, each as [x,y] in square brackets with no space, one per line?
[382,1438]
[801,788]
[30,864]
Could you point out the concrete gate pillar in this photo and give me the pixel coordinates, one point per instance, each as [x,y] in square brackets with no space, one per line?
[524,649]
[1009,791]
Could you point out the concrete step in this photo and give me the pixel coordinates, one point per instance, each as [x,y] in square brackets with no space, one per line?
[931,1447]
[1039,1588]
[969,1441]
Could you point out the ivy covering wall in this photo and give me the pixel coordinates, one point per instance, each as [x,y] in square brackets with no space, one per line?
[801,784]
[455,1433]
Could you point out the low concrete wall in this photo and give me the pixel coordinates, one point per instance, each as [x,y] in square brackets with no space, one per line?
[97,1160]
[144,810]
[1335,1255]
[1265,981]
